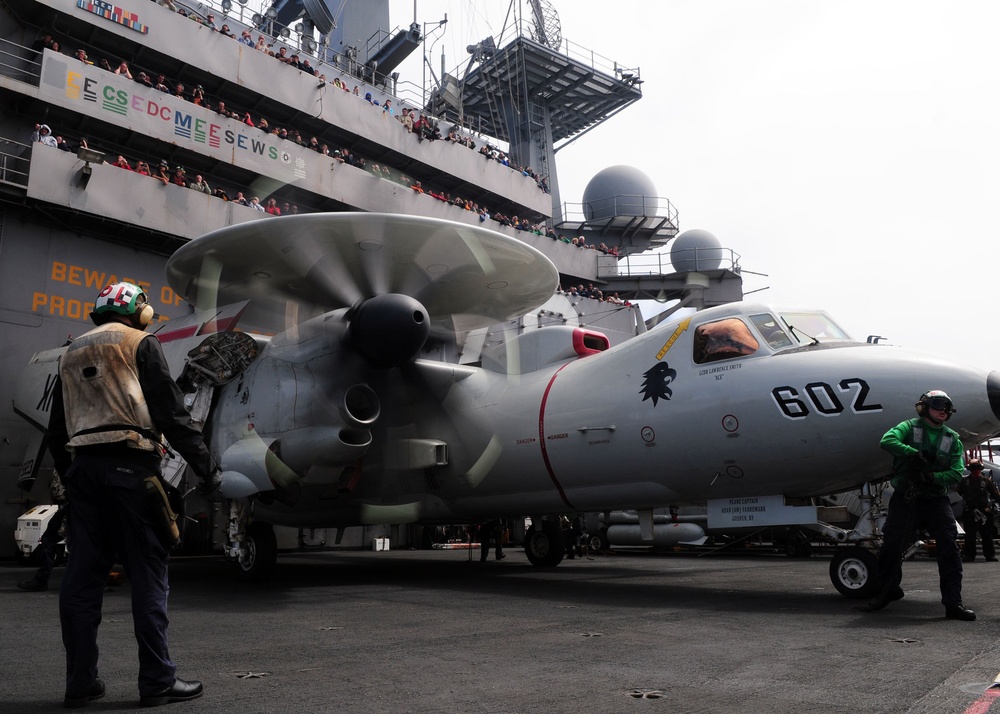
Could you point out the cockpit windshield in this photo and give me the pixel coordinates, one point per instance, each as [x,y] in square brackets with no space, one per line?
[770,329]
[724,339]
[811,328]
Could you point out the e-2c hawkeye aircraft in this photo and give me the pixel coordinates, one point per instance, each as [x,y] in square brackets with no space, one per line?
[340,418]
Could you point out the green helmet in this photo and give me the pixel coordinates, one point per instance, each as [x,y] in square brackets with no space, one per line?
[123,299]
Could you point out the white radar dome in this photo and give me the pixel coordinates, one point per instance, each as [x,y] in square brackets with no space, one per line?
[619,191]
[695,249]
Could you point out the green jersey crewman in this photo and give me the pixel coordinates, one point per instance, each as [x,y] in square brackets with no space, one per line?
[927,462]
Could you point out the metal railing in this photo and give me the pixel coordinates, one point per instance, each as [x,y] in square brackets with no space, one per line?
[332,64]
[620,205]
[20,62]
[523,27]
[244,11]
[659,263]
[15,159]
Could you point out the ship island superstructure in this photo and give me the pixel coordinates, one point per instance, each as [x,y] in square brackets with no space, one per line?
[206,94]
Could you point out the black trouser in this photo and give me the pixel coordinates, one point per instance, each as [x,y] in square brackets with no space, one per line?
[47,545]
[972,529]
[488,531]
[113,517]
[934,514]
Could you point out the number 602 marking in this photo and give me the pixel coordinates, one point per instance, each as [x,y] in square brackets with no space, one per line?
[824,398]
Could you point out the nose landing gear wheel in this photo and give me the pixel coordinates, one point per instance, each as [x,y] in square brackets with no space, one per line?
[854,572]
[259,553]
[545,547]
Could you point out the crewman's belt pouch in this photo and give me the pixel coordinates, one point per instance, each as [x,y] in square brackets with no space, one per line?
[165,519]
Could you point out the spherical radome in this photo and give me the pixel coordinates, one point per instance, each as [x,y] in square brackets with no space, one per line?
[695,249]
[619,191]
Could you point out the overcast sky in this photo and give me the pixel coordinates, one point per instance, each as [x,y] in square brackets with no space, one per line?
[850,150]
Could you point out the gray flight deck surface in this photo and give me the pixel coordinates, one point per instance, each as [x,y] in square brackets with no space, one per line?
[429,631]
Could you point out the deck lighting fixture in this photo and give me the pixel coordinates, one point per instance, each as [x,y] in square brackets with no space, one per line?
[87,156]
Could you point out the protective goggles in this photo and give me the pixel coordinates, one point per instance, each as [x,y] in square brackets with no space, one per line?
[940,403]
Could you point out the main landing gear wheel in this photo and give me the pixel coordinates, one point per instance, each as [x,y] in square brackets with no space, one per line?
[259,553]
[854,573]
[545,547]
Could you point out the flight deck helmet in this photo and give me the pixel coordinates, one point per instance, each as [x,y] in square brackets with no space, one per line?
[975,467]
[935,399]
[126,299]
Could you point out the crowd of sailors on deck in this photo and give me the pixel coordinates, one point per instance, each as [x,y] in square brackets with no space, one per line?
[179,177]
[425,127]
[593,293]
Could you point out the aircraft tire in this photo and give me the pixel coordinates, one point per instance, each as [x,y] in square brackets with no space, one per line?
[260,553]
[545,548]
[854,572]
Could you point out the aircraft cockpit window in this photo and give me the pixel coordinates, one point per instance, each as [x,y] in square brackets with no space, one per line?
[810,328]
[771,331]
[724,339]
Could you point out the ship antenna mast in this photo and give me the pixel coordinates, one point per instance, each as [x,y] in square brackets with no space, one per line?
[548,31]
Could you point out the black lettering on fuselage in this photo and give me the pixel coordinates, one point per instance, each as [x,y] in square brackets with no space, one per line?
[823,399]
[45,403]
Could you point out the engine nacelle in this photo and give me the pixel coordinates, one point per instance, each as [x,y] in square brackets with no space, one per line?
[250,466]
[321,446]
[277,462]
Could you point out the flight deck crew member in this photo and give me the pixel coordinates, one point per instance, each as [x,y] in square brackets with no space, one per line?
[978,495]
[927,461]
[113,400]
[491,530]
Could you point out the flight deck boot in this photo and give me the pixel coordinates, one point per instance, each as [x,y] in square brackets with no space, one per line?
[890,593]
[959,612]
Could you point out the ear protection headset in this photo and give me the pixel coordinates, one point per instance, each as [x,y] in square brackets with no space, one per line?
[124,299]
[935,399]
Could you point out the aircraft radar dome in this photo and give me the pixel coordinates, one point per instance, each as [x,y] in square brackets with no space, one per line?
[619,191]
[695,249]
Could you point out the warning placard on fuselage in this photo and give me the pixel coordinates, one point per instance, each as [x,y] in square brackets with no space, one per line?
[757,511]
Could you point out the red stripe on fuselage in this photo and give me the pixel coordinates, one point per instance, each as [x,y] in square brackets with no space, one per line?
[180,334]
[541,439]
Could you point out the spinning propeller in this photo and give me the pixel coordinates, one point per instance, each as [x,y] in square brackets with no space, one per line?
[376,286]
[400,277]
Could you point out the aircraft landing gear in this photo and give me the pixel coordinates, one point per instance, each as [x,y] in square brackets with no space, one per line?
[596,543]
[259,553]
[545,546]
[853,571]
[253,548]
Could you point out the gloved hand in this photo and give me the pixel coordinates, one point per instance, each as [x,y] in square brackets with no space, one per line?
[920,473]
[211,484]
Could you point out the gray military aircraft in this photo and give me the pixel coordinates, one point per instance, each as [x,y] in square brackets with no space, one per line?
[345,404]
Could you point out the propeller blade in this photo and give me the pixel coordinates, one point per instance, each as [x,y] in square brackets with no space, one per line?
[464,276]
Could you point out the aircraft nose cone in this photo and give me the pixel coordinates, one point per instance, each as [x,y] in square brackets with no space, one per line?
[993,392]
